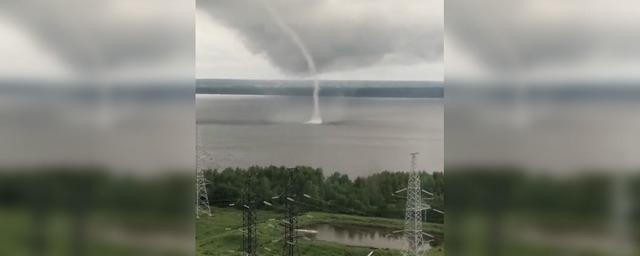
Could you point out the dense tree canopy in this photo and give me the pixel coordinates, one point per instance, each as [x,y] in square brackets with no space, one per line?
[337,193]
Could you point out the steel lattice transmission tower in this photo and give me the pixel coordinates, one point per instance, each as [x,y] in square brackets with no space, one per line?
[290,222]
[413,213]
[202,198]
[249,218]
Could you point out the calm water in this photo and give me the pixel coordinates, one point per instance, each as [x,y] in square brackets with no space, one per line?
[374,238]
[360,136]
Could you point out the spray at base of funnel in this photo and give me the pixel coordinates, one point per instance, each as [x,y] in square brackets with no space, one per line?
[315,117]
[314,121]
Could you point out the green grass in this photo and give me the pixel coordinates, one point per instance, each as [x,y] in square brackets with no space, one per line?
[220,235]
[474,230]
[18,228]
[217,235]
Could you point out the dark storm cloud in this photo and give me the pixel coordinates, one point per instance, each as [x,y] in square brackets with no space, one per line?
[341,36]
[103,34]
[508,34]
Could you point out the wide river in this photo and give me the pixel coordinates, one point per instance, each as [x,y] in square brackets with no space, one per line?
[360,136]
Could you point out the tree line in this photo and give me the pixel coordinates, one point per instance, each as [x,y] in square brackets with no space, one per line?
[336,193]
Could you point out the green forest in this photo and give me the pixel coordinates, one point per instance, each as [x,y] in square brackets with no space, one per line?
[335,193]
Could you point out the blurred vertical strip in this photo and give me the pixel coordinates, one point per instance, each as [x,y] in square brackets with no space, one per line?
[96,127]
[541,127]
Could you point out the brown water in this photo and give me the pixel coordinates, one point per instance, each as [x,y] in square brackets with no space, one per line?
[362,237]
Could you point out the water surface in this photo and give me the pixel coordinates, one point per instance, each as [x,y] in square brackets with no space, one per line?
[359,136]
[362,237]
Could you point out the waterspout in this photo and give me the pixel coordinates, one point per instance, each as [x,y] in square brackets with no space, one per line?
[316,117]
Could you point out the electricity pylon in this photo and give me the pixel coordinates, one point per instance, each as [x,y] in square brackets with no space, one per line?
[413,213]
[289,236]
[289,199]
[249,234]
[202,198]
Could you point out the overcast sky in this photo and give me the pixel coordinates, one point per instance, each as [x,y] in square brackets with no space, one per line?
[357,39]
[69,39]
[544,39]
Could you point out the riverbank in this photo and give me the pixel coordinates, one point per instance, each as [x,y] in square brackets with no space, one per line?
[221,235]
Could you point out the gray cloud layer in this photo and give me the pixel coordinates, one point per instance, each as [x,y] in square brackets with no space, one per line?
[517,34]
[92,35]
[340,35]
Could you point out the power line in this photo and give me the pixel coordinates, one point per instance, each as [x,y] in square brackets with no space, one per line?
[292,200]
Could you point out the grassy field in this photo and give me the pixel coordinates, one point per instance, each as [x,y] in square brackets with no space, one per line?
[220,234]
[18,230]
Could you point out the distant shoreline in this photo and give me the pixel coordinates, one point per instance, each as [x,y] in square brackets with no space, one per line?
[329,88]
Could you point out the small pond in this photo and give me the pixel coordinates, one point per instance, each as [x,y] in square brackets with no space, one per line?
[357,236]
